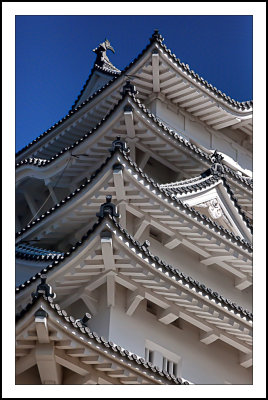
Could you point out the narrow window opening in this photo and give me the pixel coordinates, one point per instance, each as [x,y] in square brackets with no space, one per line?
[149,355]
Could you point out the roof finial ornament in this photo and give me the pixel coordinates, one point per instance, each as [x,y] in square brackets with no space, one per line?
[129,88]
[119,144]
[108,208]
[156,35]
[102,61]
[217,168]
[44,288]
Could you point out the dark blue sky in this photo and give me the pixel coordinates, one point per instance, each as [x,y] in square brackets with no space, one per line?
[54,57]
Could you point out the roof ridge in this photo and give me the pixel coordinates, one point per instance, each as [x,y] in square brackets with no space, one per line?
[180,276]
[191,184]
[100,340]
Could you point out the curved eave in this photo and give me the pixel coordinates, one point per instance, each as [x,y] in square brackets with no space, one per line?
[196,152]
[146,373]
[146,257]
[181,66]
[206,222]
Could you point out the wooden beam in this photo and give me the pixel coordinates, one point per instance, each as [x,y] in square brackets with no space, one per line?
[81,368]
[95,283]
[119,184]
[107,253]
[133,300]
[94,359]
[242,283]
[245,360]
[171,242]
[192,318]
[208,337]
[145,221]
[111,290]
[155,66]
[49,370]
[167,316]
[71,363]
[129,121]
[42,329]
[225,124]
[122,206]
[144,160]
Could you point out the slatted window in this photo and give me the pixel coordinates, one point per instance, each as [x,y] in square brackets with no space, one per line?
[170,366]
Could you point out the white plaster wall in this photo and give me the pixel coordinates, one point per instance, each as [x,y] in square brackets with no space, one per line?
[201,364]
[198,133]
[174,120]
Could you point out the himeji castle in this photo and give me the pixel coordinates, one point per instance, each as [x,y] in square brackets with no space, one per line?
[134,232]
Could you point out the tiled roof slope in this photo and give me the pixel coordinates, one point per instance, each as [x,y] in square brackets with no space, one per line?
[28,252]
[156,37]
[184,207]
[100,341]
[160,264]
[248,182]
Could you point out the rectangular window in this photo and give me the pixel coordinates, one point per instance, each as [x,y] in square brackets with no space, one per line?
[149,355]
[165,359]
[170,366]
